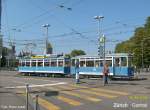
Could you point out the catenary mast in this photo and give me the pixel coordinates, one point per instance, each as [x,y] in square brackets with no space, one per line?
[1,40]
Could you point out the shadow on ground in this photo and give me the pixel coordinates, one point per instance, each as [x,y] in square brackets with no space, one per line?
[46,93]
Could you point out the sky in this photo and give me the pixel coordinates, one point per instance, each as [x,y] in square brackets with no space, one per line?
[72,23]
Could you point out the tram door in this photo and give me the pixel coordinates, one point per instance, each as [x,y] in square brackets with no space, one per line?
[120,66]
[116,66]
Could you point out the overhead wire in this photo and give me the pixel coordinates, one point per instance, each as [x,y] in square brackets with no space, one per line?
[75,32]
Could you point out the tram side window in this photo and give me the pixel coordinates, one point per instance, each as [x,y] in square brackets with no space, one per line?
[89,63]
[46,63]
[40,63]
[23,64]
[20,64]
[53,63]
[98,63]
[73,62]
[60,63]
[67,63]
[117,62]
[109,62]
[27,63]
[33,63]
[82,64]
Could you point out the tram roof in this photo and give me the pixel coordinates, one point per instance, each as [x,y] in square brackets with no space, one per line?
[107,55]
[51,56]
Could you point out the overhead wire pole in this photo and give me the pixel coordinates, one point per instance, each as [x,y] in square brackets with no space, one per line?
[101,39]
[46,40]
[1,38]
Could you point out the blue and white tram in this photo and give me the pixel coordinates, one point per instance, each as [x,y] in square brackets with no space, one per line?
[120,65]
[44,65]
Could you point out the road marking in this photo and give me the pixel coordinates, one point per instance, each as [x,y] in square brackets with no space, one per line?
[33,85]
[42,79]
[69,101]
[85,97]
[97,93]
[44,103]
[64,99]
[110,91]
[47,105]
[102,90]
[86,90]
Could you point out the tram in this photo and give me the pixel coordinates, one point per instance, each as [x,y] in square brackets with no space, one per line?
[44,65]
[120,65]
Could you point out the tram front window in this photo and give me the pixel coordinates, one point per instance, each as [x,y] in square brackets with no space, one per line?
[60,63]
[120,61]
[123,61]
[53,63]
[73,62]
[27,63]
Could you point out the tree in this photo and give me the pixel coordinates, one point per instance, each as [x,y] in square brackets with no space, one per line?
[67,56]
[77,53]
[138,45]
[49,48]
[5,52]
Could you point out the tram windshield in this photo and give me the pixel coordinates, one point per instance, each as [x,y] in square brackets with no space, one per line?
[120,61]
[60,63]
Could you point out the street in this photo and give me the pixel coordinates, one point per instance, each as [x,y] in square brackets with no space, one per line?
[64,94]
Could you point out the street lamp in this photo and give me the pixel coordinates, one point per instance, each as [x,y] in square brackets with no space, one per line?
[46,40]
[101,39]
[99,19]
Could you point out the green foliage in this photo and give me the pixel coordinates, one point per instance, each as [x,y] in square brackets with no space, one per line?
[67,56]
[75,53]
[49,45]
[139,43]
[49,48]
[5,52]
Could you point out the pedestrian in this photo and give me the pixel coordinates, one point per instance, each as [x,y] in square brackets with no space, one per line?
[77,72]
[105,74]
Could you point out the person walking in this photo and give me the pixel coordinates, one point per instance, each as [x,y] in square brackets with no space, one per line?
[105,74]
[77,72]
